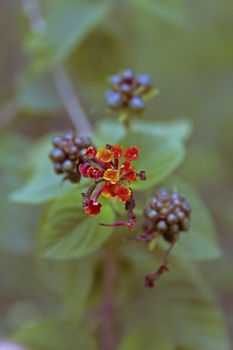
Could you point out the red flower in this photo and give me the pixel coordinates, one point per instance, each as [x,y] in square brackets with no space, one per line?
[125,166]
[94,173]
[130,175]
[92,208]
[83,169]
[131,153]
[91,151]
[117,151]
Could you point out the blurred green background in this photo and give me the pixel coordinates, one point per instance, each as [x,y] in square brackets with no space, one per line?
[185,45]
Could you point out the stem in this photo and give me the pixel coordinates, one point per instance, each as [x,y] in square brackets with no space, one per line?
[107,334]
[62,82]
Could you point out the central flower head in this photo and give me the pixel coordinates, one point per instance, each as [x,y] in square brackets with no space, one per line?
[113,176]
[105,168]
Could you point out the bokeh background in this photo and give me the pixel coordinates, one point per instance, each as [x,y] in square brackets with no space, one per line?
[185,45]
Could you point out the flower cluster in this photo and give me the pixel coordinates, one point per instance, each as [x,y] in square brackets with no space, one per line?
[69,151]
[167,214]
[127,91]
[111,169]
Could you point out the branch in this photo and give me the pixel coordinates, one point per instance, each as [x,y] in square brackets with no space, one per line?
[62,82]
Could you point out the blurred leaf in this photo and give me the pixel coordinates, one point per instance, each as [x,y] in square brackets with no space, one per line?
[182,301]
[71,280]
[68,24]
[16,235]
[67,232]
[55,335]
[44,184]
[37,94]
[146,336]
[179,129]
[200,242]
[173,11]
[159,156]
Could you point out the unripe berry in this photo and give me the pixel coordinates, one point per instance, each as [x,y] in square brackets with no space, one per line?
[115,79]
[114,99]
[172,215]
[136,104]
[58,168]
[57,155]
[57,140]
[127,75]
[70,151]
[144,79]
[68,166]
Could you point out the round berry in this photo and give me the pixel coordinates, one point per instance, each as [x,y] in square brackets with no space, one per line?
[152,214]
[144,79]
[78,142]
[126,88]
[58,168]
[161,226]
[114,99]
[69,136]
[171,219]
[115,80]
[127,75]
[86,141]
[57,155]
[68,166]
[57,140]
[137,104]
[73,152]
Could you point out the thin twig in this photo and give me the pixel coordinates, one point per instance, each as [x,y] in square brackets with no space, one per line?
[107,334]
[62,82]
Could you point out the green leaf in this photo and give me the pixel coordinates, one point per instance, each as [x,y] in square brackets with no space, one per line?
[146,336]
[113,130]
[68,24]
[55,335]
[172,11]
[44,184]
[159,156]
[16,235]
[71,280]
[181,300]
[67,232]
[200,242]
[37,94]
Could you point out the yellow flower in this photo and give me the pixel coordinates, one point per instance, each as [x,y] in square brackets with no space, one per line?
[104,154]
[113,176]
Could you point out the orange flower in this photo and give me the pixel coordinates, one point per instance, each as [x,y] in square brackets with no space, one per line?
[104,154]
[123,193]
[117,151]
[131,153]
[108,190]
[113,176]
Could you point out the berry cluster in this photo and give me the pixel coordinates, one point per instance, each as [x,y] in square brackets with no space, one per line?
[68,153]
[127,91]
[167,214]
[105,168]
